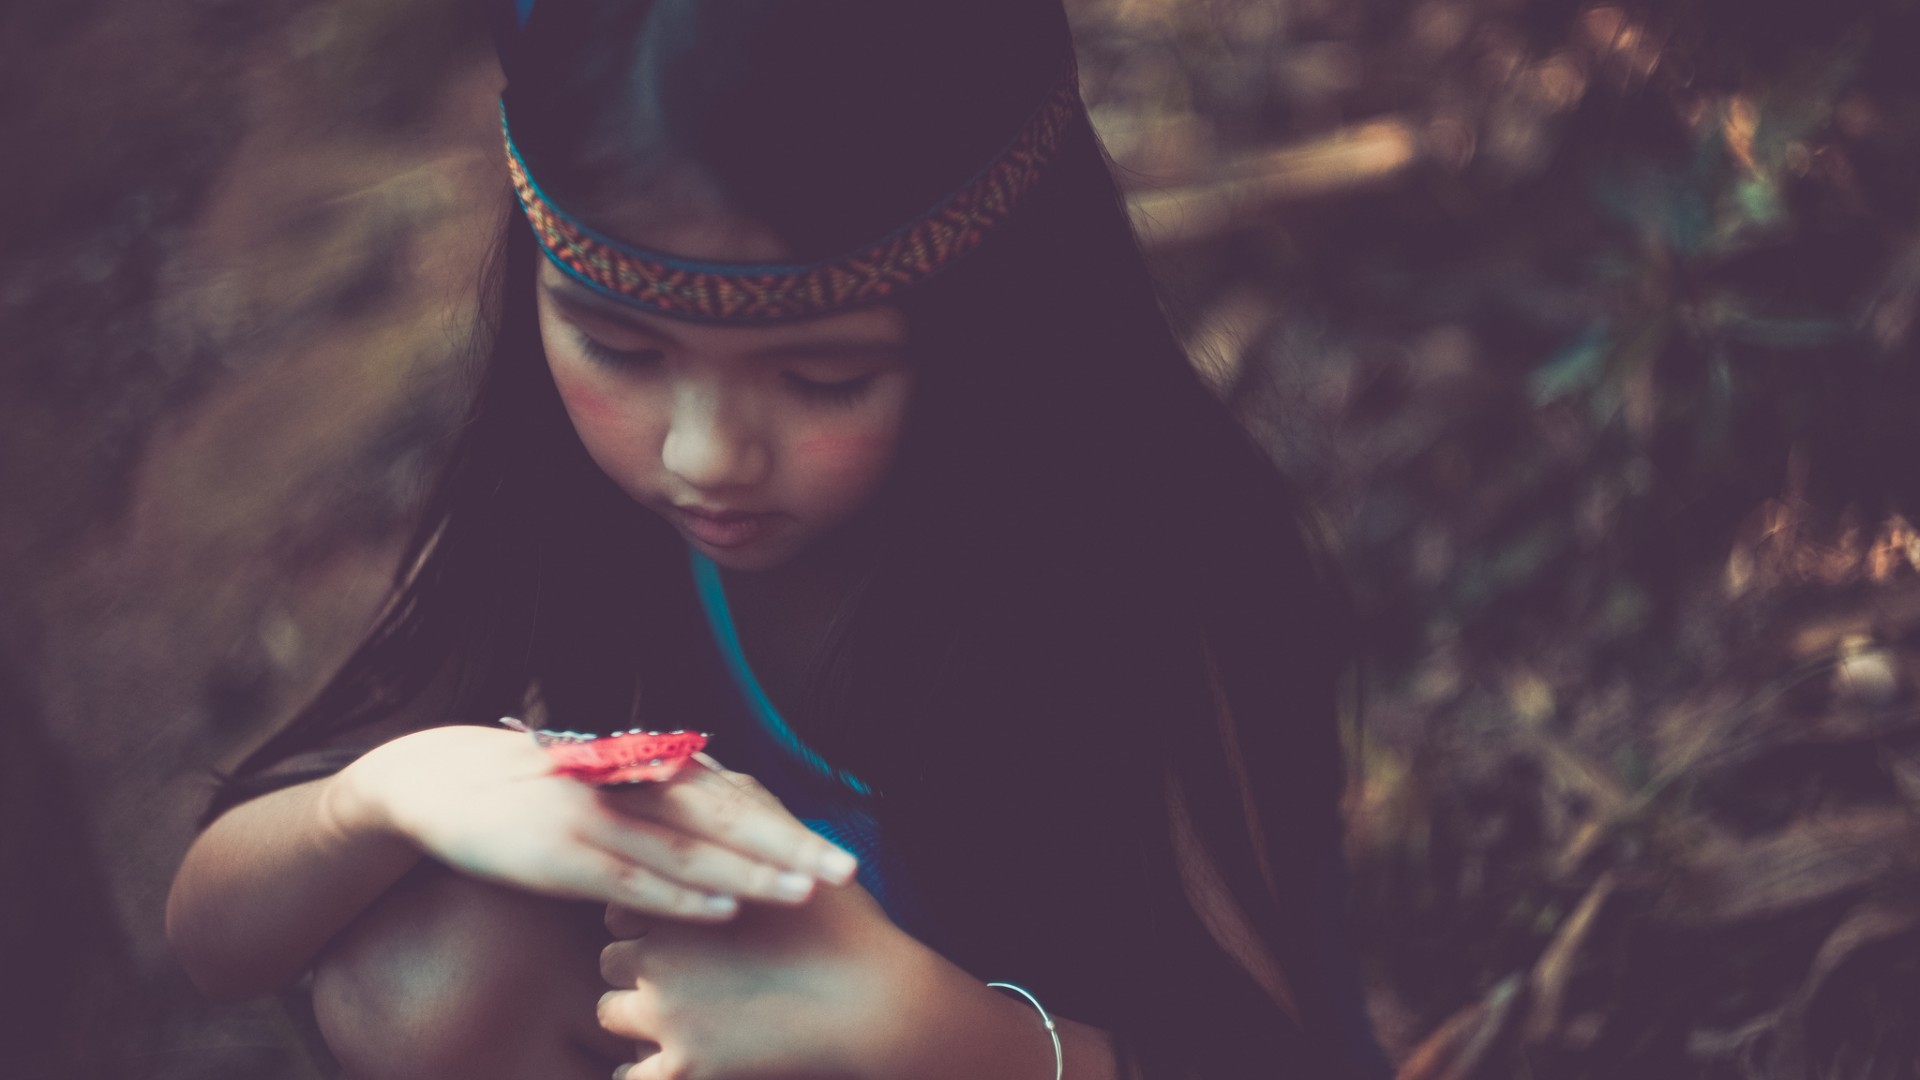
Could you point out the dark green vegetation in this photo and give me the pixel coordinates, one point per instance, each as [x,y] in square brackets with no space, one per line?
[1589,329]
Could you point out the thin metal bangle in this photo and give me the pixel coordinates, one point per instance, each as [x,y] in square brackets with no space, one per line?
[1053,1032]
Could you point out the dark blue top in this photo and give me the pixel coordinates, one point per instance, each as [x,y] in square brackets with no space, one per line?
[832,802]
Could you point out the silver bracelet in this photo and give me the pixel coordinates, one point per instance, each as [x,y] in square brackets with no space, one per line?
[1053,1032]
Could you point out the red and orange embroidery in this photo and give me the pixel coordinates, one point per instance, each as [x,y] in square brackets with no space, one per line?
[772,292]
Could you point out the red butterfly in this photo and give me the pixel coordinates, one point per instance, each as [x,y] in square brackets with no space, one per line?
[625,757]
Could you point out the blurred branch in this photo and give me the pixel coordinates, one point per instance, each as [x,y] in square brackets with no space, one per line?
[1556,965]
[1461,1045]
[1351,158]
[1809,862]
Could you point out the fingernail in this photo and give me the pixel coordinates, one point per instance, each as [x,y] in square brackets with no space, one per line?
[792,886]
[837,866]
[719,905]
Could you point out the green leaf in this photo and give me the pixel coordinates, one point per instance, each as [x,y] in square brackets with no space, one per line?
[1758,198]
[1575,368]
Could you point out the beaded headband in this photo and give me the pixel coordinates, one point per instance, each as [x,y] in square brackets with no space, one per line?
[723,292]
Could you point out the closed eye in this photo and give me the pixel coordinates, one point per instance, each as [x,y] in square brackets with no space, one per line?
[833,392]
[617,359]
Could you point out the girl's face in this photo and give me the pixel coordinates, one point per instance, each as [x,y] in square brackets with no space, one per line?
[752,442]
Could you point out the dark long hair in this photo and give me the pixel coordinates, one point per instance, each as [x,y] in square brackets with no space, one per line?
[1094,594]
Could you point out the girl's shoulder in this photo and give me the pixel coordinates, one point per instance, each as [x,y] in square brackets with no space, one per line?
[433,705]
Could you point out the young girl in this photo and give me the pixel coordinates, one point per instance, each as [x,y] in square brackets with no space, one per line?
[829,411]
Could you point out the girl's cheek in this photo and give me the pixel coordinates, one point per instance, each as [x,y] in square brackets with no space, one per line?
[587,403]
[847,453]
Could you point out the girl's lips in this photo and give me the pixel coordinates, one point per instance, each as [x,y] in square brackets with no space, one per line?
[723,529]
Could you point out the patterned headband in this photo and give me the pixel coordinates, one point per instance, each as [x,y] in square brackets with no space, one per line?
[720,292]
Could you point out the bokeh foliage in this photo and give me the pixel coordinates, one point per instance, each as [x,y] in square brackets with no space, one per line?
[1589,329]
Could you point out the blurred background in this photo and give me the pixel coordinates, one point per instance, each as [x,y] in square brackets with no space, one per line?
[1588,328]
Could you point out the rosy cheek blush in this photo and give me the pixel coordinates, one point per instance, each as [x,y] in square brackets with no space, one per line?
[584,401]
[843,454]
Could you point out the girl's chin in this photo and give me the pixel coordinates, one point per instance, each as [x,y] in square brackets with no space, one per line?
[735,559]
[765,554]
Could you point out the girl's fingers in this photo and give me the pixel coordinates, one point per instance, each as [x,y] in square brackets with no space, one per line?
[747,784]
[708,805]
[620,964]
[656,1067]
[695,863]
[631,1013]
[599,875]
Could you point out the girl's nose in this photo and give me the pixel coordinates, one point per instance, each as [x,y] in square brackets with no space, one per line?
[709,448]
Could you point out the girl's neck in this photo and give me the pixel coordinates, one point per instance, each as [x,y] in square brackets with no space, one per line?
[830,567]
[782,615]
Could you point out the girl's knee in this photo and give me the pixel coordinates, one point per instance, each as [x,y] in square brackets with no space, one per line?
[450,976]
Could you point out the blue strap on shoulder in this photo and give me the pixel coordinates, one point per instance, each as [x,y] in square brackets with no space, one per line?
[847,823]
[713,598]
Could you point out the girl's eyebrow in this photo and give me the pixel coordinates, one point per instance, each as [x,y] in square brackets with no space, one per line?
[578,302]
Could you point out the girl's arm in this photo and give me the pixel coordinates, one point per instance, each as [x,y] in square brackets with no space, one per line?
[862,998]
[967,1030]
[264,888]
[270,881]
[855,996]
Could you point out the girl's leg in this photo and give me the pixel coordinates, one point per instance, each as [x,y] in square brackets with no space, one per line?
[451,977]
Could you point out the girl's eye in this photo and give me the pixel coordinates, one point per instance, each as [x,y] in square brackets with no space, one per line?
[618,359]
[842,392]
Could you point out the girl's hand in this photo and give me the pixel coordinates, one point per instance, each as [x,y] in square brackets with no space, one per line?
[487,803]
[819,990]
[831,988]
